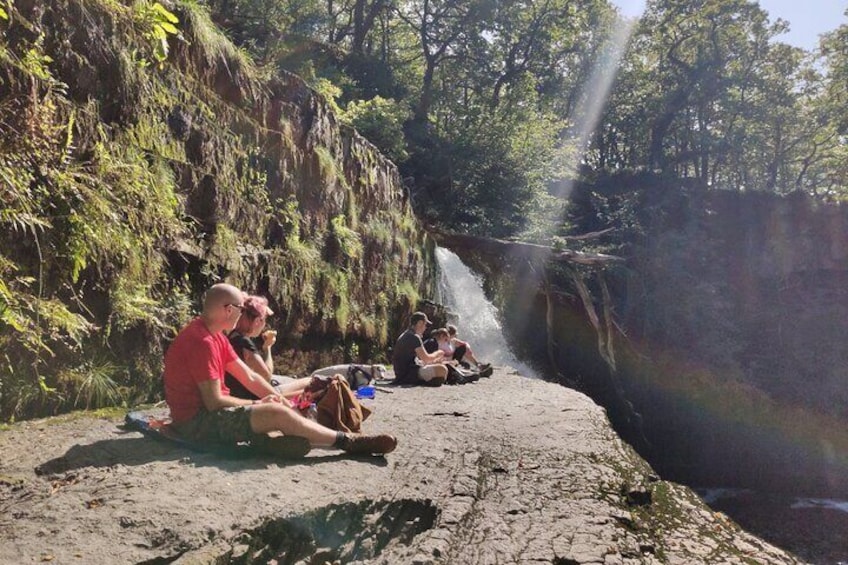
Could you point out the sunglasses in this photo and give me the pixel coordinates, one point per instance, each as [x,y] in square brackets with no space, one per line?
[239,306]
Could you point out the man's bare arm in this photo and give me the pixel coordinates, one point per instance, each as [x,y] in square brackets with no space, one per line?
[210,393]
[251,380]
[429,358]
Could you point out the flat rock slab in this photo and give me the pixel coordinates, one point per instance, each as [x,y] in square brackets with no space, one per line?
[505,470]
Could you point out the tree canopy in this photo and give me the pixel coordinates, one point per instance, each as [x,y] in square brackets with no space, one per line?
[478,99]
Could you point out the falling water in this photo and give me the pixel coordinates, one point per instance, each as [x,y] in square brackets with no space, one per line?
[461,292]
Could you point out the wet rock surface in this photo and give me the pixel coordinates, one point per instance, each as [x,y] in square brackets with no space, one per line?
[505,470]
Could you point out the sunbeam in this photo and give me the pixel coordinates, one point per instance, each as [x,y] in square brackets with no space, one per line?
[595,93]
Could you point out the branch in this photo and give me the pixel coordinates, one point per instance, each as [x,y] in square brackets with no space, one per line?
[528,251]
[585,236]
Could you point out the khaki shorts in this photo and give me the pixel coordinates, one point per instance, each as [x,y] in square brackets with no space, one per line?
[429,372]
[227,426]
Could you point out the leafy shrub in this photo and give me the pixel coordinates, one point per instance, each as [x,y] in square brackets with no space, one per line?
[380,121]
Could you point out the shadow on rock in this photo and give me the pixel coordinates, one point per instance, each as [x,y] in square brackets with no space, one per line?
[337,533]
[133,450]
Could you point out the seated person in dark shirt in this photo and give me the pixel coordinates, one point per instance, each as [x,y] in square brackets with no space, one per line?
[439,340]
[252,343]
[411,362]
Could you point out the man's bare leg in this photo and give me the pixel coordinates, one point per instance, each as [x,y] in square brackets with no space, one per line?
[270,417]
[293,388]
[274,417]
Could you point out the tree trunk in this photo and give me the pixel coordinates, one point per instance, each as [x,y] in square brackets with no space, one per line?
[422,110]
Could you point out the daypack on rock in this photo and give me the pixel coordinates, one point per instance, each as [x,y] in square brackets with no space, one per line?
[339,409]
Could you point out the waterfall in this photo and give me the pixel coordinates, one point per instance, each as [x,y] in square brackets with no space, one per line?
[461,291]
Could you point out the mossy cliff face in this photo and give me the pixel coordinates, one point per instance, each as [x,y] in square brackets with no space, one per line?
[131,184]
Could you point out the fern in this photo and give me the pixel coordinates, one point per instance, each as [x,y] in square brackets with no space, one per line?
[95,384]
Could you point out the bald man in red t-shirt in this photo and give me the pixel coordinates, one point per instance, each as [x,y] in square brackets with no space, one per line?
[201,405]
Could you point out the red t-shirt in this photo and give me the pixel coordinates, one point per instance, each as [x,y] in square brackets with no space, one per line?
[195,356]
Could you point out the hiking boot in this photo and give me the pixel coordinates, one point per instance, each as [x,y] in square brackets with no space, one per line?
[486,370]
[456,379]
[286,447]
[359,444]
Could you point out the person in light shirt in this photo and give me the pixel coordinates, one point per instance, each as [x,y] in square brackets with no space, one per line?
[462,352]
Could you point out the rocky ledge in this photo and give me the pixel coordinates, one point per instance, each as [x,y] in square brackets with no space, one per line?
[505,470]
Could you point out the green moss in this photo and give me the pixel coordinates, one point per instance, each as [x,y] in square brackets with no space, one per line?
[326,163]
[347,239]
[213,48]
[224,244]
[352,209]
[375,328]
[296,269]
[331,172]
[380,231]
[407,293]
[342,312]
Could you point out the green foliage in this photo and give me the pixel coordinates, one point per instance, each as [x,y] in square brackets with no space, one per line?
[707,92]
[334,300]
[94,383]
[348,240]
[381,121]
[225,245]
[214,50]
[93,193]
[330,92]
[263,25]
[488,177]
[406,293]
[37,63]
[381,231]
[157,24]
[73,229]
[326,163]
[497,92]
[35,322]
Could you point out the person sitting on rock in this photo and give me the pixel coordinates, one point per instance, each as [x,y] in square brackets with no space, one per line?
[458,373]
[463,354]
[245,339]
[411,362]
[203,410]
[439,340]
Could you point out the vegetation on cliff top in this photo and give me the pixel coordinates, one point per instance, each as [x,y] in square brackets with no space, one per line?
[498,97]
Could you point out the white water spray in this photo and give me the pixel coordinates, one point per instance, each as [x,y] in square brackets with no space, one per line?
[462,293]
